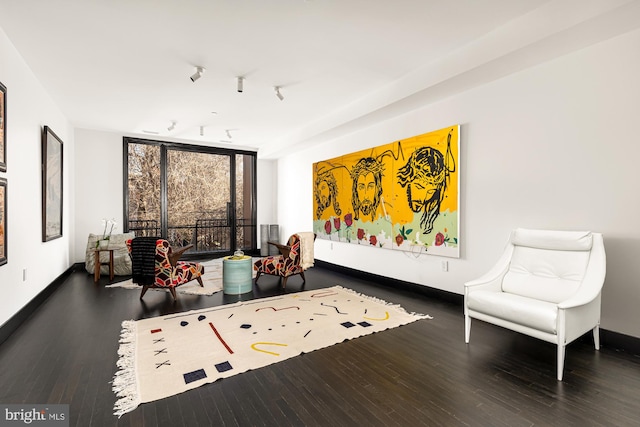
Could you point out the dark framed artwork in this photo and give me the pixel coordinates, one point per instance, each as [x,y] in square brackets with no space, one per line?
[3,128]
[51,185]
[3,221]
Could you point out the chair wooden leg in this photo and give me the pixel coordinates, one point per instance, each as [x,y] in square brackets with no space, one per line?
[199,279]
[172,289]
[144,290]
[257,276]
[284,282]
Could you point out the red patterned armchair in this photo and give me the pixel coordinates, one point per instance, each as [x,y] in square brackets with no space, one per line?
[290,261]
[156,265]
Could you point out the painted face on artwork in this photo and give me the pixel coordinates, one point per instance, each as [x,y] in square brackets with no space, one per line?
[366,188]
[324,196]
[419,193]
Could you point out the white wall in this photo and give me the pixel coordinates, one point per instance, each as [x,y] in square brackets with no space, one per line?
[549,147]
[29,109]
[266,202]
[98,181]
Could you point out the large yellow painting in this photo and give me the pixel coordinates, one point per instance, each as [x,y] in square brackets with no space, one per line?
[403,195]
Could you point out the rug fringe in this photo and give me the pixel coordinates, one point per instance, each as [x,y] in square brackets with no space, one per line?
[125,382]
[397,307]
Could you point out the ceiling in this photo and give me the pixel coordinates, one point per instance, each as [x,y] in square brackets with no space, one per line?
[124,65]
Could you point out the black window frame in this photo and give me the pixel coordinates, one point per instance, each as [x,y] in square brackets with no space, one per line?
[164,147]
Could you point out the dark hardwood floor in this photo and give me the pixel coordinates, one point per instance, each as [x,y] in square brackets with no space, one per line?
[418,374]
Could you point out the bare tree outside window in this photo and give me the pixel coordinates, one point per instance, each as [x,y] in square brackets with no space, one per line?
[198,188]
[144,189]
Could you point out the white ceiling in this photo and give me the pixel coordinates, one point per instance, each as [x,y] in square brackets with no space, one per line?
[124,65]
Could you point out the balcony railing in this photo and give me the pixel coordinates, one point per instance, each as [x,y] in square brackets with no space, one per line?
[145,227]
[206,235]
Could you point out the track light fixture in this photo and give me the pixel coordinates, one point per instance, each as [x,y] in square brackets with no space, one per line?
[240,84]
[198,74]
[278,94]
[173,126]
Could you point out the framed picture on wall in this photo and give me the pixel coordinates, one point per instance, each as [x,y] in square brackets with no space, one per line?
[403,195]
[3,221]
[3,128]
[51,185]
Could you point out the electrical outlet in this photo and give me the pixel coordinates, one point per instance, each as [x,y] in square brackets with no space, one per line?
[445,265]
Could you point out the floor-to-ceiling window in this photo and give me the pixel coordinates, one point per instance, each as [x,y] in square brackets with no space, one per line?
[191,194]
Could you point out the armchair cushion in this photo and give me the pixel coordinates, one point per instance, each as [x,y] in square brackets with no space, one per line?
[544,274]
[168,275]
[551,239]
[533,313]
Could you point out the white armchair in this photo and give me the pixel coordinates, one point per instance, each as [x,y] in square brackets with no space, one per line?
[547,285]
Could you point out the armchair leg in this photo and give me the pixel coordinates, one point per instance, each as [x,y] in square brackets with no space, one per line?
[257,276]
[199,279]
[284,282]
[467,328]
[596,337]
[172,289]
[144,290]
[303,279]
[561,351]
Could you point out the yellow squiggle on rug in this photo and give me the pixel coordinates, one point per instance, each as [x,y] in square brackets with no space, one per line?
[383,318]
[253,346]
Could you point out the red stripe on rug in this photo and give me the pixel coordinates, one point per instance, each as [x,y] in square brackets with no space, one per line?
[220,338]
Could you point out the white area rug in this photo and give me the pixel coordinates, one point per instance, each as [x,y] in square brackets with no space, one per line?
[212,280]
[167,355]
